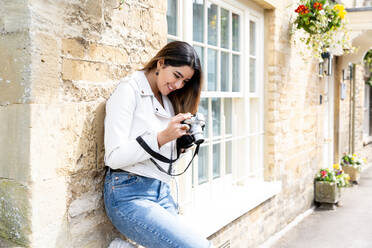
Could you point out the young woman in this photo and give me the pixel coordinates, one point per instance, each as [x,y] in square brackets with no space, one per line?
[150,103]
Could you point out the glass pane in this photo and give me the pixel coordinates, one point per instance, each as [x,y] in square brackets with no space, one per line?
[252,75]
[212,24]
[212,70]
[228,115]
[203,164]
[170,40]
[216,160]
[235,31]
[216,116]
[172,17]
[225,32]
[198,20]
[200,51]
[224,71]
[203,108]
[235,73]
[228,163]
[252,38]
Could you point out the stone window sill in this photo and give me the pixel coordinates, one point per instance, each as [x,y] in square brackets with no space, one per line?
[210,218]
[367,140]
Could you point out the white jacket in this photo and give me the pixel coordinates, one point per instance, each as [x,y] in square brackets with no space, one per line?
[131,111]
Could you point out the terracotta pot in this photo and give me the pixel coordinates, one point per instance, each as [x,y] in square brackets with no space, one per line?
[326,192]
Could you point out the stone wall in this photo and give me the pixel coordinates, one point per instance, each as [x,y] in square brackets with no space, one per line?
[293,134]
[348,144]
[63,59]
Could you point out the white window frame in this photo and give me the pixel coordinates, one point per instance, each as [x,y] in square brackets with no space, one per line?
[197,202]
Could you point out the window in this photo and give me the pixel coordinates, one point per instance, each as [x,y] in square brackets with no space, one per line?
[228,38]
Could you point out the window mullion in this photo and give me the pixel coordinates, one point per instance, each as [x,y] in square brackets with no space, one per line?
[205,35]
[218,47]
[187,19]
[230,55]
[223,142]
[210,150]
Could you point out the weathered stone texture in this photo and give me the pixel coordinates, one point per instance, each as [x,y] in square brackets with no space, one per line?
[15,142]
[15,68]
[64,59]
[15,220]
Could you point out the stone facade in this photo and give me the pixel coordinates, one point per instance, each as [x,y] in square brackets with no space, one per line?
[64,58]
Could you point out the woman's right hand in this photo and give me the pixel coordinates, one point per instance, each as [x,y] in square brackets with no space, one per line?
[174,130]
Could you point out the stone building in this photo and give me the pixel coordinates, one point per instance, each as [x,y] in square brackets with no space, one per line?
[272,121]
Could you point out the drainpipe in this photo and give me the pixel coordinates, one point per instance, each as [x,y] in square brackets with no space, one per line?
[352,109]
[353,117]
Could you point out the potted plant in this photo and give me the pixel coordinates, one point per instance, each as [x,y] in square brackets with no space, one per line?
[321,26]
[328,184]
[352,165]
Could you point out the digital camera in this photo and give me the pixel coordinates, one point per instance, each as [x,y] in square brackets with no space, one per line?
[195,133]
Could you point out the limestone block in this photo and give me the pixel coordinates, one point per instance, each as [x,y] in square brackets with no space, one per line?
[46,68]
[90,71]
[15,142]
[94,8]
[66,138]
[74,47]
[87,202]
[91,230]
[14,16]
[85,91]
[49,221]
[97,52]
[15,220]
[14,68]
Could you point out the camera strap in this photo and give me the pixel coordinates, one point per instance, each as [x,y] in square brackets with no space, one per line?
[163,159]
[153,153]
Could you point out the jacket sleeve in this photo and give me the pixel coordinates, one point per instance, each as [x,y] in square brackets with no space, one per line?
[120,150]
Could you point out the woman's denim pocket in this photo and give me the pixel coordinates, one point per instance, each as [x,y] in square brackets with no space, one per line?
[120,180]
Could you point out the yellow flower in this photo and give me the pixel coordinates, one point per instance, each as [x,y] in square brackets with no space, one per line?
[339,7]
[336,166]
[365,160]
[341,10]
[342,14]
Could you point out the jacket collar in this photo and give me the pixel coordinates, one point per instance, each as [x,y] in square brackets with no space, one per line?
[144,89]
[143,84]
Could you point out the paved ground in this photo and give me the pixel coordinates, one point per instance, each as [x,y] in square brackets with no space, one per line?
[349,226]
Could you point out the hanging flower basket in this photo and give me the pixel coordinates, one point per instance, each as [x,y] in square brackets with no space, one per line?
[321,25]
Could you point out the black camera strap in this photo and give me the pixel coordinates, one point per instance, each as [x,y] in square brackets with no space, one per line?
[153,153]
[163,159]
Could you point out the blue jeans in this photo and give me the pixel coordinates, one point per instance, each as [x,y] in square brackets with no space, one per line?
[143,210]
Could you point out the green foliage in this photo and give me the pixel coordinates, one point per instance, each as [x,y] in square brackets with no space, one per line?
[353,161]
[333,176]
[368,62]
[324,27]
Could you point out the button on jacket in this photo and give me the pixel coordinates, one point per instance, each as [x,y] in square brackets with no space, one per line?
[131,111]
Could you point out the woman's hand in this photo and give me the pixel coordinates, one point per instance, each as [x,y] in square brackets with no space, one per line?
[174,130]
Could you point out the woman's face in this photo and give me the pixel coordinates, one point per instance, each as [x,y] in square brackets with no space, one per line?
[172,78]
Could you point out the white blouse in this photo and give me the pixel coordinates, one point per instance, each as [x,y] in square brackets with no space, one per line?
[131,111]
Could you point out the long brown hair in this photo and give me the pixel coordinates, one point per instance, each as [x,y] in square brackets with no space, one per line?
[179,53]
